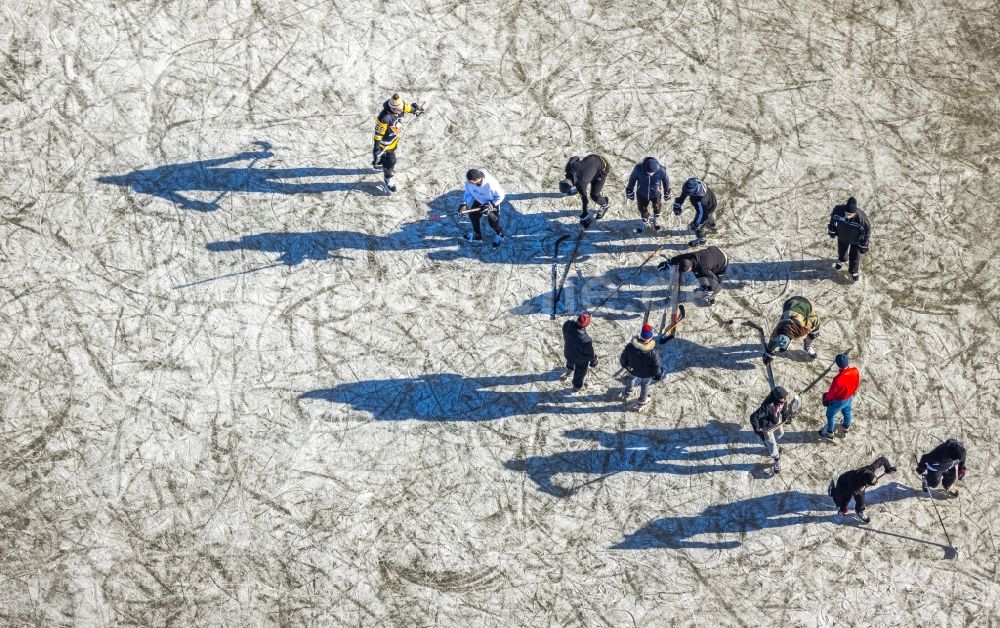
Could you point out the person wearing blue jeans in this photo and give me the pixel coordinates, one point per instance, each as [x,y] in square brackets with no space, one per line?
[840,398]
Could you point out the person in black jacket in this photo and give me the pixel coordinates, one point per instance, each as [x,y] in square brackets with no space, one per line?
[947,462]
[703,200]
[578,349]
[767,422]
[591,171]
[854,484]
[852,229]
[642,363]
[647,185]
[709,266]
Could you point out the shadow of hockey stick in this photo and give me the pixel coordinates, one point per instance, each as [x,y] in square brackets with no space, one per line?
[950,552]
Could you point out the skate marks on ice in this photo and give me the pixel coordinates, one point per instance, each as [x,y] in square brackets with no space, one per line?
[677,451]
[454,397]
[171,181]
[715,527]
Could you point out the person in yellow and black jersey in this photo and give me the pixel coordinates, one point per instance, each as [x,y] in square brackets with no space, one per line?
[386,139]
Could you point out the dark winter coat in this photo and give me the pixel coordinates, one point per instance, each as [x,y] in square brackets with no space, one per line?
[855,483]
[943,457]
[709,263]
[577,345]
[769,415]
[592,169]
[641,360]
[704,206]
[856,230]
[646,186]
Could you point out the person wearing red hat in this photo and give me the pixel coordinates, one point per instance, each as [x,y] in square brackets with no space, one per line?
[578,349]
[642,363]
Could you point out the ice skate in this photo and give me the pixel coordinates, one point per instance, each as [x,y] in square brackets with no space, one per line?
[498,240]
[838,265]
[471,236]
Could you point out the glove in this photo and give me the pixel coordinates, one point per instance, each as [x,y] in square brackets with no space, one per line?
[593,363]
[677,208]
[663,265]
[630,196]
[462,208]
[961,473]
[418,109]
[491,208]
[767,357]
[831,233]
[825,401]
[376,156]
[921,469]
[863,248]
[891,470]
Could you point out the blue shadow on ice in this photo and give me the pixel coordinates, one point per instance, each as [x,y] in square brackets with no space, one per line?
[441,233]
[212,175]
[679,451]
[707,529]
[452,397]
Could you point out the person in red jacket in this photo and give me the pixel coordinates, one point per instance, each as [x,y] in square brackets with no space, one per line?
[840,397]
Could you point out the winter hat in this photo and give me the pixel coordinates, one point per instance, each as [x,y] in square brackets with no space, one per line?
[686,265]
[583,320]
[646,333]
[395,103]
[474,175]
[841,360]
[566,187]
[651,164]
[694,187]
[852,205]
[780,392]
[868,476]
[782,341]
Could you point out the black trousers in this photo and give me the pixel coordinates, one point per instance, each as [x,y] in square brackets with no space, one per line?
[644,204]
[845,249]
[843,498]
[596,186]
[934,477]
[708,222]
[388,163]
[492,217]
[579,372]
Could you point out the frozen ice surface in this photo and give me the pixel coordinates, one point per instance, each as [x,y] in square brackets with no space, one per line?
[242,386]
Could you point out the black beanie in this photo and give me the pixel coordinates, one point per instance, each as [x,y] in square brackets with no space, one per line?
[852,205]
[474,174]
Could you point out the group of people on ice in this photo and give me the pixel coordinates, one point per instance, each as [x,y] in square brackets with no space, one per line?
[648,185]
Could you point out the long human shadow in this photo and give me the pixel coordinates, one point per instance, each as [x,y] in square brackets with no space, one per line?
[583,292]
[530,236]
[169,182]
[679,451]
[453,397]
[778,510]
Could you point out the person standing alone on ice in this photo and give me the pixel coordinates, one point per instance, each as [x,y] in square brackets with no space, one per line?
[854,484]
[483,194]
[648,184]
[944,462]
[387,129]
[840,397]
[591,171]
[578,349]
[703,200]
[642,363]
[797,321]
[767,422]
[852,229]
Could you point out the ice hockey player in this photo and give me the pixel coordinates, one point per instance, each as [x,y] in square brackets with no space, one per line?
[840,397]
[854,484]
[850,226]
[642,363]
[768,420]
[703,200]
[484,194]
[797,321]
[591,171]
[708,265]
[648,184]
[578,349]
[944,462]
[388,126]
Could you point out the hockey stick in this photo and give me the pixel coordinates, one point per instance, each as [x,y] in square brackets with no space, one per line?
[626,280]
[555,272]
[763,345]
[677,309]
[946,535]
[562,282]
